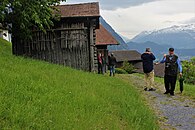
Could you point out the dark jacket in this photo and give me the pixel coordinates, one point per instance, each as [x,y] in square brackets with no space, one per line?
[148,59]
[112,60]
[171,66]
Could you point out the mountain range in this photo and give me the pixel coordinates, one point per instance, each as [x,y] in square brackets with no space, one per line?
[176,36]
[182,38]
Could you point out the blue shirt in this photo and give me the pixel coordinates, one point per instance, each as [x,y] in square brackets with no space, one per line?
[178,62]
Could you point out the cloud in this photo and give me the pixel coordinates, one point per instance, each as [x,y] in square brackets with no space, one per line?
[149,16]
[189,21]
[172,7]
[130,17]
[114,4]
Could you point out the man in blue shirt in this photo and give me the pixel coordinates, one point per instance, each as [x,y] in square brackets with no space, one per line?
[172,64]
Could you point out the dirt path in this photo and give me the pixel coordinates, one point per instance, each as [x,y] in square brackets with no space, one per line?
[174,112]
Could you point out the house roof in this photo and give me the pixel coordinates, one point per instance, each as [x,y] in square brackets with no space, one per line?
[127,55]
[79,10]
[103,37]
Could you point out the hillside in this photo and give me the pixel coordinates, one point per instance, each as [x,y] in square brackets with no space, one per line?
[39,95]
[123,45]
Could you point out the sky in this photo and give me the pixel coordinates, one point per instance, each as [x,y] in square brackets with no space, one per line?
[131,17]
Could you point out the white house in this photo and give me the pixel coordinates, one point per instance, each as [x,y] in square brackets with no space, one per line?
[5,35]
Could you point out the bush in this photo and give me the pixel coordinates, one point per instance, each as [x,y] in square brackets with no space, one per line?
[129,68]
[193,60]
[120,71]
[189,71]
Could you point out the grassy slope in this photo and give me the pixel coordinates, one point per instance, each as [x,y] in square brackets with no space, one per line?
[39,95]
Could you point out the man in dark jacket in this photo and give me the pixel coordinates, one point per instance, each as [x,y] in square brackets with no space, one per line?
[172,64]
[148,68]
[112,63]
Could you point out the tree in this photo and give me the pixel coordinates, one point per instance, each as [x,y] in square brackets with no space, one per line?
[129,68]
[193,60]
[23,15]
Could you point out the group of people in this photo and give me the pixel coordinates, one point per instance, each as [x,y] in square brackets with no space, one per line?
[172,66]
[102,63]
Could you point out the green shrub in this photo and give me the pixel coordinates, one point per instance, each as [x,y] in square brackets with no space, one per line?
[189,71]
[129,68]
[120,71]
[193,60]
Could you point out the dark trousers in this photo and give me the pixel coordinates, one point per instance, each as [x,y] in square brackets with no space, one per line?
[112,70]
[99,68]
[170,82]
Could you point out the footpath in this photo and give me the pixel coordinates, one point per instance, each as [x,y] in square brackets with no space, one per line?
[173,112]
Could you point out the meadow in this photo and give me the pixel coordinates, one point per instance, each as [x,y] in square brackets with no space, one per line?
[36,95]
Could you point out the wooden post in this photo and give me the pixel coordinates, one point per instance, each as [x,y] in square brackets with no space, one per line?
[91,43]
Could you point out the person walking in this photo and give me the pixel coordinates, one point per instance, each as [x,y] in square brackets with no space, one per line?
[148,68]
[112,64]
[99,63]
[172,64]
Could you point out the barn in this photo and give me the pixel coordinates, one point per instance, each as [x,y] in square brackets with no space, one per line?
[71,42]
[132,56]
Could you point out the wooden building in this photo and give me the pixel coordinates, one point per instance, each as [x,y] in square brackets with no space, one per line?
[159,70]
[71,42]
[132,56]
[103,39]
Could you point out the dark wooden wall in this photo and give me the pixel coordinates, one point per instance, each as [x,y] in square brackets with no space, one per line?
[70,43]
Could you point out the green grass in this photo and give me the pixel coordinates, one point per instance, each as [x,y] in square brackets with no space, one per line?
[37,95]
[189,89]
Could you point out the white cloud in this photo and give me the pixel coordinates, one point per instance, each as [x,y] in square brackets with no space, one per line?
[130,17]
[133,20]
[189,21]
[114,4]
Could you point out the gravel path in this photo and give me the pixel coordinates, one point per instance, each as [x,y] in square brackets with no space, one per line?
[174,112]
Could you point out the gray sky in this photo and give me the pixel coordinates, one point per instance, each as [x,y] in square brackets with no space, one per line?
[130,17]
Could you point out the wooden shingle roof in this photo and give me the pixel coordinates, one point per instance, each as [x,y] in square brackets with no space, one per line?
[103,37]
[79,10]
[127,55]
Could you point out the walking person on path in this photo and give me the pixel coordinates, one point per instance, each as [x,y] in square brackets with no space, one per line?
[148,68]
[99,63]
[172,64]
[112,64]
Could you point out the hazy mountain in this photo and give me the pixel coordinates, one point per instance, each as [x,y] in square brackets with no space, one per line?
[157,49]
[123,45]
[180,37]
[125,38]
